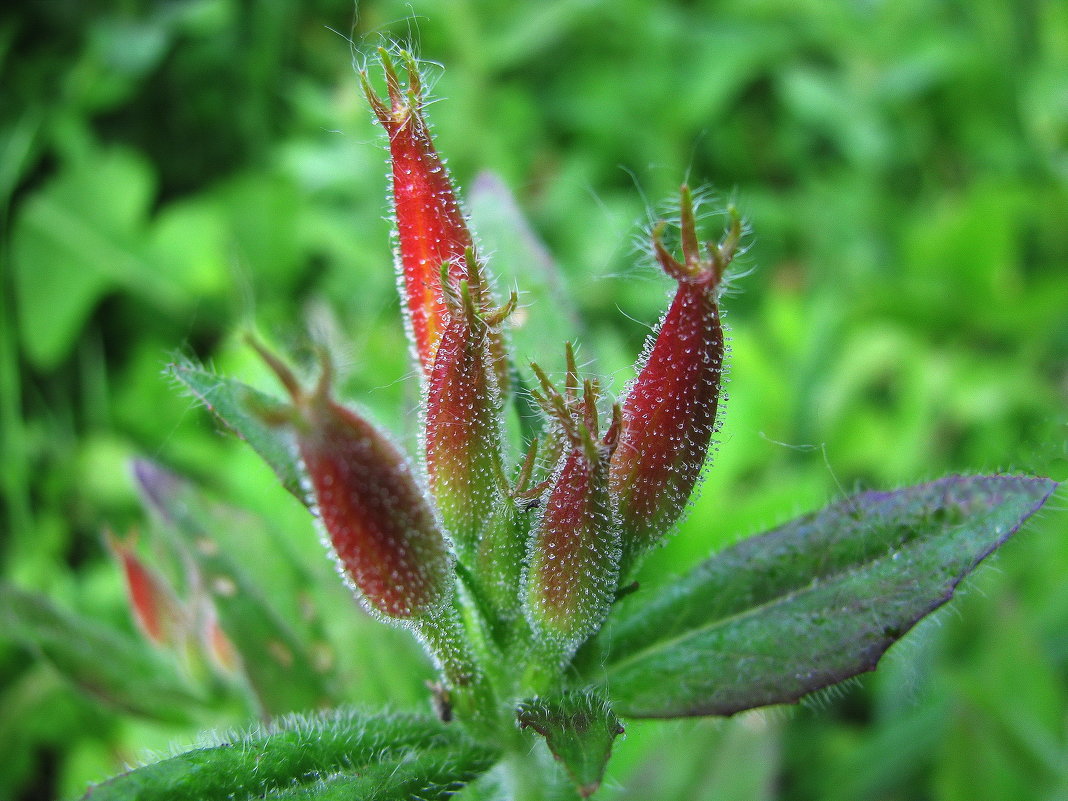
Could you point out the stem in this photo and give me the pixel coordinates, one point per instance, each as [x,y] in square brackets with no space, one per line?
[444,636]
[543,668]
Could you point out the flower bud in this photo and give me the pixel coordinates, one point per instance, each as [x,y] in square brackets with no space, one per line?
[670,410]
[574,551]
[463,438]
[431,229]
[430,226]
[379,522]
[155,608]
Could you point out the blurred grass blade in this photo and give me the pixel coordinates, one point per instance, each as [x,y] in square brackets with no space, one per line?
[235,405]
[579,728]
[279,665]
[336,755]
[120,670]
[74,240]
[810,603]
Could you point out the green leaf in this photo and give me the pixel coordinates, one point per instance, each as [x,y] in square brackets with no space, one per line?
[428,776]
[579,728]
[808,604]
[117,669]
[336,755]
[241,409]
[519,259]
[279,665]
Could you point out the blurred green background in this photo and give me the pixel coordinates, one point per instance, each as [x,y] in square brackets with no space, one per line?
[172,172]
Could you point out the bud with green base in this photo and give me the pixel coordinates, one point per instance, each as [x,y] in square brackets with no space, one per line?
[380,524]
[573,553]
[463,440]
[523,564]
[670,410]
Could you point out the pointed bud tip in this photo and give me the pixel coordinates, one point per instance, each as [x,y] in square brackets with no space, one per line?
[154,608]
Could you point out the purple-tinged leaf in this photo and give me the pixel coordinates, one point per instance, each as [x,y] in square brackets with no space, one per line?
[808,604]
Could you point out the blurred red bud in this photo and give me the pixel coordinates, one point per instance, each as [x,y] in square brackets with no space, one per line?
[154,606]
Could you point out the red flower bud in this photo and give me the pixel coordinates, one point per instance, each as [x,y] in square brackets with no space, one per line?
[380,524]
[463,406]
[669,411]
[431,230]
[574,551]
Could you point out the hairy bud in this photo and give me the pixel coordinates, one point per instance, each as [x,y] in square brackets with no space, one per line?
[463,406]
[670,410]
[574,550]
[379,522]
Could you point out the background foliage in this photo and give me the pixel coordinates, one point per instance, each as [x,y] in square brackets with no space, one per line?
[171,172]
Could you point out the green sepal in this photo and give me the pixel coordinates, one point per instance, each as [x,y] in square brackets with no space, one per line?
[246,412]
[336,755]
[808,604]
[122,671]
[579,727]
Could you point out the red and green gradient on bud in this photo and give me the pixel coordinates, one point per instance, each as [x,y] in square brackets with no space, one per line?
[464,443]
[574,551]
[463,438]
[670,410]
[431,230]
[379,522]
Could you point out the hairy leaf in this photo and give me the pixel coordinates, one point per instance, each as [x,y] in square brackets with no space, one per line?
[339,755]
[808,604]
[579,728]
[118,669]
[414,776]
[242,410]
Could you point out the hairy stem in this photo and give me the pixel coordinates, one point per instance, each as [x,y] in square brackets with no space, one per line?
[470,692]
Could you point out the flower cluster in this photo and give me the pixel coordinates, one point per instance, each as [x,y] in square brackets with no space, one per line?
[505,546]
[538,547]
